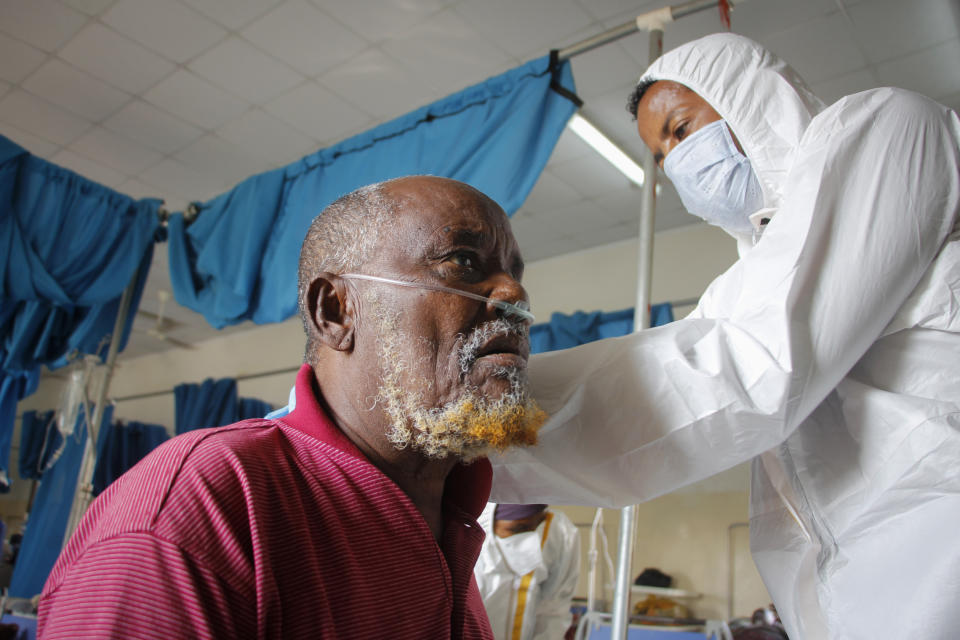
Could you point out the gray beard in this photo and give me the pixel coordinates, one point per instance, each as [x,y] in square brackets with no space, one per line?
[470,426]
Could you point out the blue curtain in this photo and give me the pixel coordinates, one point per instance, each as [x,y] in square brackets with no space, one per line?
[238,260]
[252,408]
[213,403]
[120,445]
[68,248]
[13,388]
[566,331]
[39,438]
[47,521]
[209,404]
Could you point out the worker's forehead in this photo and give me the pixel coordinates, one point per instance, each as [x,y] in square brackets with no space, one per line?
[665,95]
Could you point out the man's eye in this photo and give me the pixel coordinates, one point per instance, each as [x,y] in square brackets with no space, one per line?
[680,132]
[464,259]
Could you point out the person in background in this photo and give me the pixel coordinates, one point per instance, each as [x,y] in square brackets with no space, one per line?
[353,516]
[827,353]
[527,571]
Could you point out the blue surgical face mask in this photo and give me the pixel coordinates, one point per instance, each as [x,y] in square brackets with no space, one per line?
[715,181]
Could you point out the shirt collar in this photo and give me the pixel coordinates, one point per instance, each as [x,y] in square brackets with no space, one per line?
[467,486]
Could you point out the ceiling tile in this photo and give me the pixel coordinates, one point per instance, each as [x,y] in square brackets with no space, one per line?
[232,14]
[138,190]
[45,24]
[171,201]
[259,134]
[195,100]
[304,37]
[34,144]
[578,218]
[169,28]
[88,168]
[569,147]
[40,118]
[318,113]
[89,7]
[609,114]
[75,90]
[602,69]
[591,177]
[525,29]
[762,18]
[379,85]
[4,87]
[376,20]
[241,68]
[222,160]
[19,59]
[175,177]
[623,9]
[886,29]
[447,52]
[549,193]
[115,151]
[148,125]
[835,88]
[934,72]
[111,57]
[818,50]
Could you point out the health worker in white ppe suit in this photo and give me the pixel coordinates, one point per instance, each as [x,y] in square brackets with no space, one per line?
[829,353]
[527,570]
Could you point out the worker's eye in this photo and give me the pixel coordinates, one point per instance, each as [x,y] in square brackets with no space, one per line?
[681,131]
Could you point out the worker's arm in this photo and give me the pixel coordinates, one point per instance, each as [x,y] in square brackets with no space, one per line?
[867,206]
[140,586]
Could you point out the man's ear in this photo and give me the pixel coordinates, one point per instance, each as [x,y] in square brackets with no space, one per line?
[331,313]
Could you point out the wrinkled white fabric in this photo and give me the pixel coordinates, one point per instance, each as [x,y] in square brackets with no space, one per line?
[546,605]
[828,354]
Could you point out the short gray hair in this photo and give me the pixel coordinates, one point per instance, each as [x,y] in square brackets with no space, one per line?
[340,240]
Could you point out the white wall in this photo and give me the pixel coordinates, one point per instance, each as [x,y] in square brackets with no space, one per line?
[683,534]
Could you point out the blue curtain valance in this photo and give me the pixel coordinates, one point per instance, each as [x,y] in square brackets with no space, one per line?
[68,248]
[238,260]
[566,331]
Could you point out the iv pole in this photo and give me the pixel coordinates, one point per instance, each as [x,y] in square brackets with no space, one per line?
[653,22]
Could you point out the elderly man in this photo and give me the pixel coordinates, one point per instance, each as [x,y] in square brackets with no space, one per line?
[827,353]
[354,515]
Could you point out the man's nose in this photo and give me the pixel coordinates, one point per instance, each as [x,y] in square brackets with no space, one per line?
[508,289]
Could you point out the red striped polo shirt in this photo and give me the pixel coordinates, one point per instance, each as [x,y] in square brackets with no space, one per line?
[269,529]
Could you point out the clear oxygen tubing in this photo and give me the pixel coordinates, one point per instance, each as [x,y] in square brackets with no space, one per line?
[520,308]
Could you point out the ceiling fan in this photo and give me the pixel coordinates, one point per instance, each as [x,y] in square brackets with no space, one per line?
[162,324]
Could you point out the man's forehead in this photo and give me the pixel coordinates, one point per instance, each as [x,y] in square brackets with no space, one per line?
[429,205]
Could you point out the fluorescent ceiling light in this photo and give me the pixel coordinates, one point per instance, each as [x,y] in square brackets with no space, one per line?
[605,147]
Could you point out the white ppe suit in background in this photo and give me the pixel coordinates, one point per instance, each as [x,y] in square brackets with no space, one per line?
[528,595]
[829,353]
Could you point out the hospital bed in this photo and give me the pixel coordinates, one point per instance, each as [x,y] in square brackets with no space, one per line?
[595,625]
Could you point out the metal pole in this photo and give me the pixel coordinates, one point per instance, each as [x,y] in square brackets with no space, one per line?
[83,493]
[593,42]
[641,320]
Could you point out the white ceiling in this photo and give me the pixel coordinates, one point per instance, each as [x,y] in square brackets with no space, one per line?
[182,99]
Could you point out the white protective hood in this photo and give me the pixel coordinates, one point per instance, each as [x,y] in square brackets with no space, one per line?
[827,353]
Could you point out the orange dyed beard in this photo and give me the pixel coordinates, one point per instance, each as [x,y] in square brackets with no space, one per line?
[469,427]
